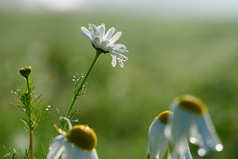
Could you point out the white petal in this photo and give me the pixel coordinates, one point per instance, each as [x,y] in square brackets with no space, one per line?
[94,154]
[120,62]
[104,45]
[86,33]
[207,132]
[84,154]
[102,29]
[114,61]
[121,50]
[97,42]
[73,152]
[158,143]
[115,38]
[109,33]
[119,56]
[91,30]
[97,30]
[69,150]
[118,46]
[56,147]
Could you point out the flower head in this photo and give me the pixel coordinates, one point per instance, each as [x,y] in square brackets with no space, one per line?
[159,145]
[105,42]
[78,143]
[25,71]
[191,121]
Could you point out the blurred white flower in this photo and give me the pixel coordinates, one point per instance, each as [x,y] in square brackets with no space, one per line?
[191,121]
[159,146]
[105,42]
[78,143]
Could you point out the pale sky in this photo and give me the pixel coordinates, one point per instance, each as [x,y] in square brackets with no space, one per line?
[216,8]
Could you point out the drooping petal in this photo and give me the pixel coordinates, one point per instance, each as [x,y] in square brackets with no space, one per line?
[186,154]
[115,38]
[119,56]
[158,143]
[114,61]
[120,62]
[121,50]
[118,46]
[56,148]
[83,154]
[69,150]
[208,134]
[93,154]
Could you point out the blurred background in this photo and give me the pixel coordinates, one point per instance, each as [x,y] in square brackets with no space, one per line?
[175,48]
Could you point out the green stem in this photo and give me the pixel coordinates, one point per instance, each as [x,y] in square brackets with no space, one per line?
[30,108]
[31,145]
[76,94]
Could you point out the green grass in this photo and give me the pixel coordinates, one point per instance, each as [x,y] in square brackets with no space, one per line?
[167,59]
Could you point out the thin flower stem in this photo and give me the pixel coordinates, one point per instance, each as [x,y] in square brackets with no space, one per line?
[76,94]
[29,115]
[31,145]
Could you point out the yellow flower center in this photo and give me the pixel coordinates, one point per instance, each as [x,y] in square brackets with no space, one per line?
[192,104]
[164,116]
[82,136]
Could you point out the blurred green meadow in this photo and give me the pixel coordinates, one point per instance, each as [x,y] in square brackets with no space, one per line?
[167,58]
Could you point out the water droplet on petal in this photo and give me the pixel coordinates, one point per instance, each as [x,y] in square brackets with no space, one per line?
[219,147]
[201,152]
[193,140]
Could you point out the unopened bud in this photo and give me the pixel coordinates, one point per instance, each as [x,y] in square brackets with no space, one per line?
[25,71]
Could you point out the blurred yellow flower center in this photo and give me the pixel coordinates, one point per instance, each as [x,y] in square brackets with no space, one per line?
[192,104]
[82,136]
[164,116]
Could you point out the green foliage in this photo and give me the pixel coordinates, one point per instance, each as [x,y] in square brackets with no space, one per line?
[26,154]
[167,58]
[31,105]
[9,153]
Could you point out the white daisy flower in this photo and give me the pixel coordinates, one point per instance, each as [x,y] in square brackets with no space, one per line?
[191,121]
[159,146]
[105,42]
[78,143]
[158,143]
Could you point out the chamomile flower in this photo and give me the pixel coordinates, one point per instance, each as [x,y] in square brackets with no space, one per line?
[191,121]
[159,145]
[105,42]
[78,143]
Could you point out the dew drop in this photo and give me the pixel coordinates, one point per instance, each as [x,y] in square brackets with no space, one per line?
[75,120]
[201,152]
[219,147]
[48,108]
[193,140]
